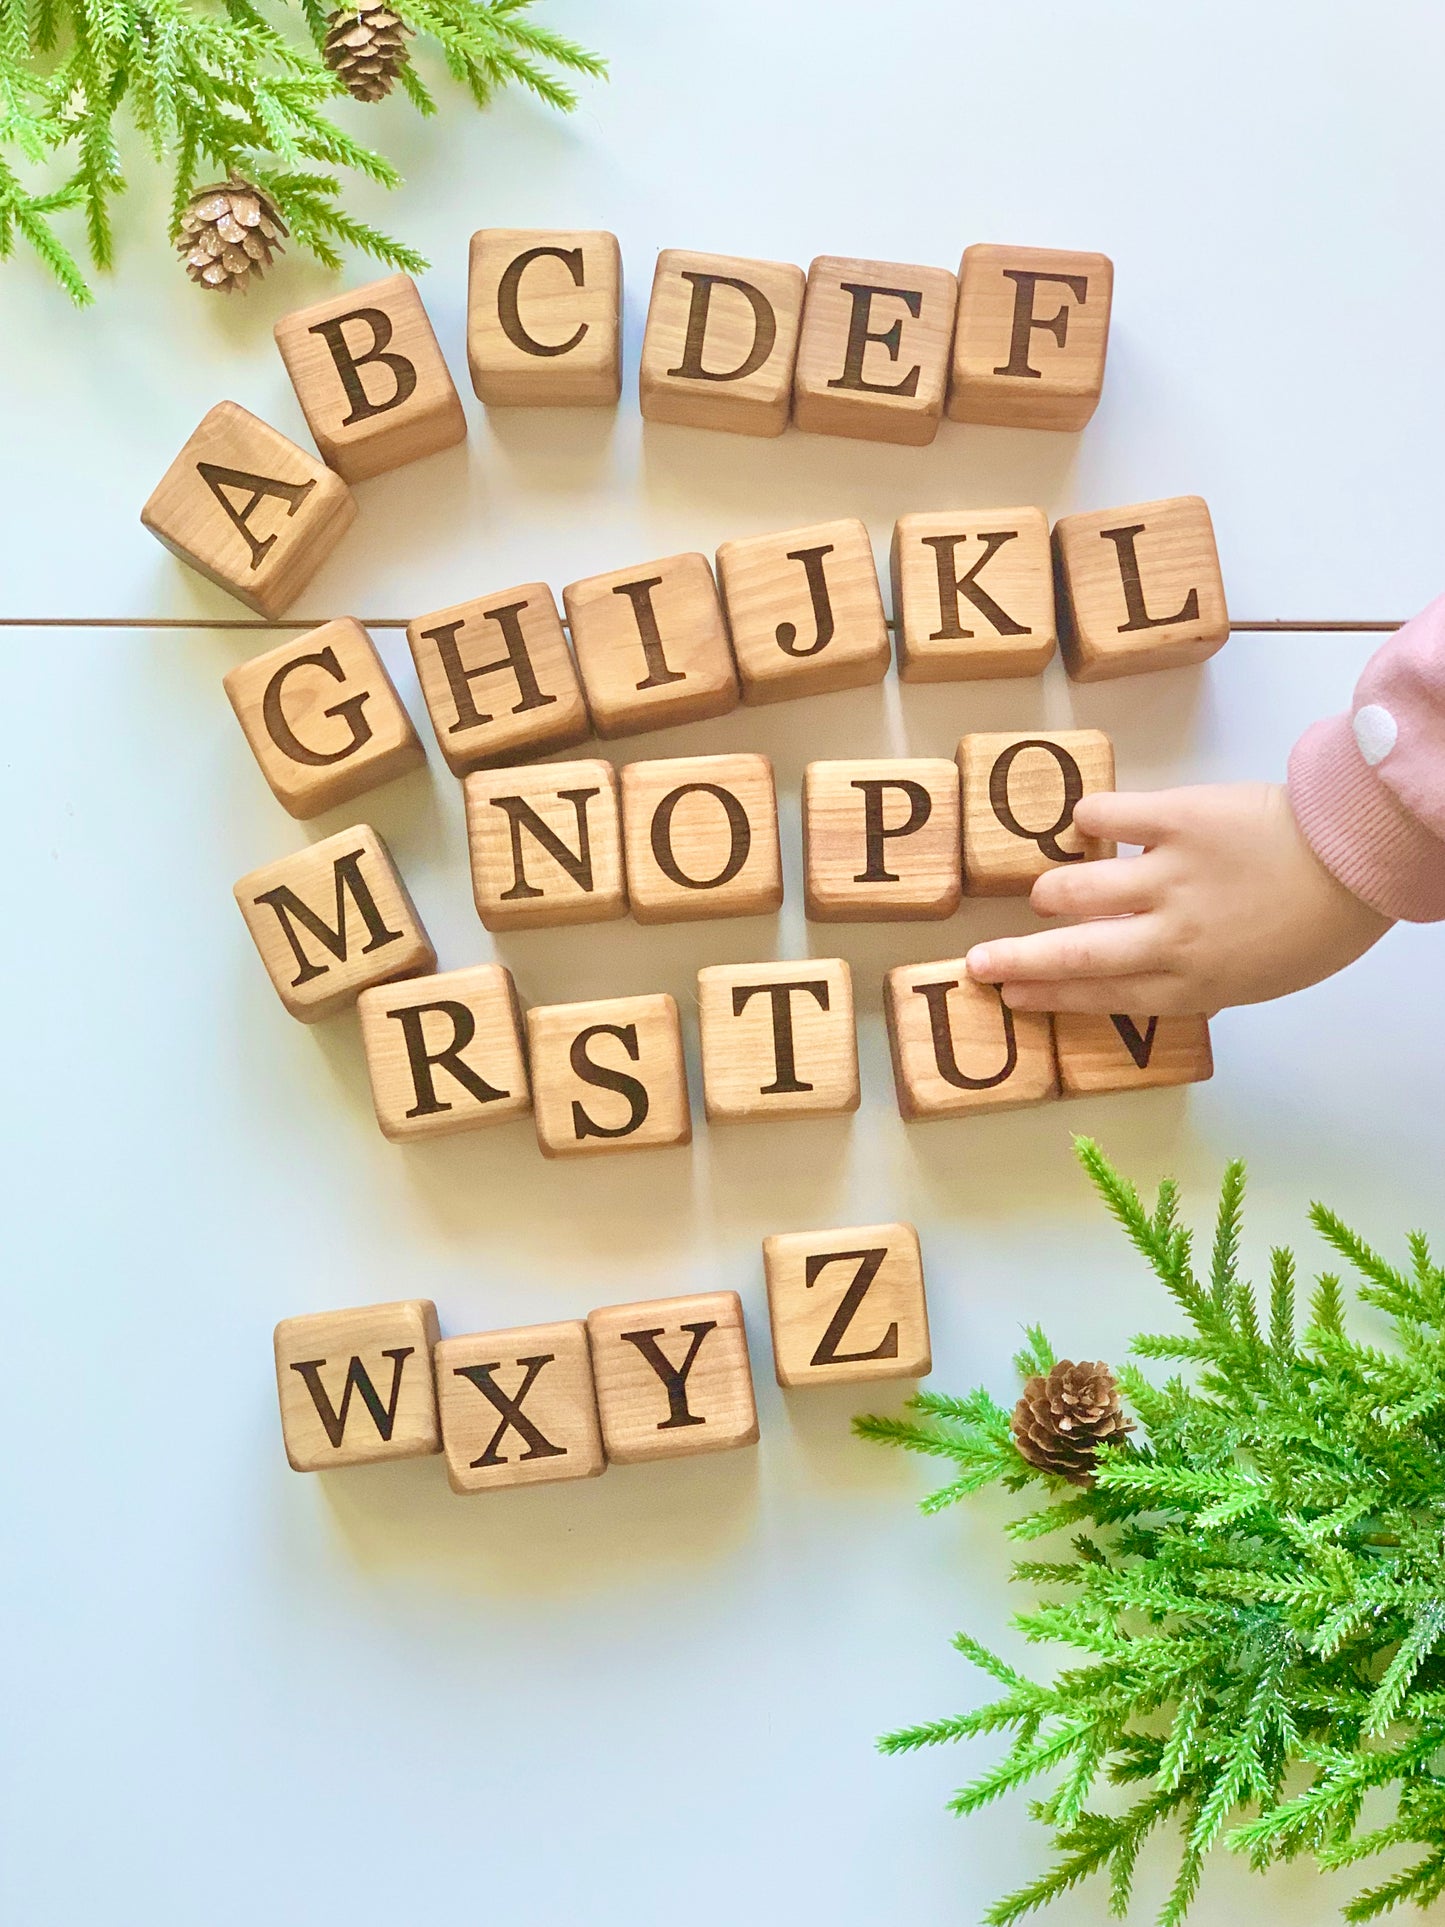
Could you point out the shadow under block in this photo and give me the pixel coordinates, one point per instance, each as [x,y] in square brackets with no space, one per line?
[371,380]
[332,920]
[518,1407]
[673,1377]
[323,718]
[651,646]
[1141,588]
[957,1048]
[1032,336]
[700,835]
[608,1075]
[1019,793]
[779,1040]
[445,1054]
[1098,1054]
[356,1386]
[498,678]
[544,317]
[804,611]
[250,510]
[546,845]
[847,1307]
[873,353]
[973,592]
[721,342]
[881,840]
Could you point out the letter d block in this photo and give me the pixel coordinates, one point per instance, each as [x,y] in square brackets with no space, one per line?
[701,837]
[356,1386]
[778,1040]
[546,845]
[518,1407]
[1033,331]
[1142,589]
[673,1377]
[957,1048]
[1019,793]
[880,840]
[847,1307]
[250,510]
[873,353]
[371,379]
[608,1076]
[445,1053]
[1098,1054]
[544,318]
[721,342]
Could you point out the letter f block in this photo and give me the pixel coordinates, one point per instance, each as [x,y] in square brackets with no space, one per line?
[1032,335]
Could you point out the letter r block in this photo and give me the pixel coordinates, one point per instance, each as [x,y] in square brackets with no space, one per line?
[445,1053]
[701,838]
[544,318]
[356,1386]
[957,1048]
[1019,793]
[778,1040]
[652,646]
[673,1377]
[546,845]
[873,353]
[804,611]
[880,840]
[518,1407]
[973,591]
[1033,331]
[847,1307]
[608,1076]
[1141,588]
[721,342]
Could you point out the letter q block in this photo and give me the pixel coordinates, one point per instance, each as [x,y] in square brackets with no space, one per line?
[721,342]
[544,318]
[1019,795]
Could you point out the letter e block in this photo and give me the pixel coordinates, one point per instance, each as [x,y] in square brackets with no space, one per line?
[1019,794]
[1033,331]
[518,1407]
[778,1040]
[445,1053]
[608,1076]
[356,1386]
[544,318]
[546,845]
[973,592]
[847,1307]
[1142,589]
[652,646]
[804,611]
[721,342]
[957,1048]
[701,836]
[881,841]
[1098,1053]
[673,1377]
[873,354]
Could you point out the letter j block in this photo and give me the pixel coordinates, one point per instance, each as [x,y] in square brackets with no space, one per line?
[356,1386]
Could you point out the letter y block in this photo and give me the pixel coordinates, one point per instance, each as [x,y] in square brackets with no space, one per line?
[673,1377]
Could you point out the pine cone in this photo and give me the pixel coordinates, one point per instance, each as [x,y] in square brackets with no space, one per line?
[228,233]
[366,48]
[1062,1420]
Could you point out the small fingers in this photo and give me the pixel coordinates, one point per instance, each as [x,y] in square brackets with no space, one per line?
[1150,994]
[1112,887]
[1112,947]
[1126,816]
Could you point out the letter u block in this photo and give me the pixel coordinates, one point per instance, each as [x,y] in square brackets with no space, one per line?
[518,1407]
[1032,335]
[608,1076]
[873,353]
[445,1054]
[356,1386]
[701,838]
[1019,794]
[546,845]
[957,1048]
[673,1377]
[1142,588]
[652,646]
[544,318]
[721,342]
[804,611]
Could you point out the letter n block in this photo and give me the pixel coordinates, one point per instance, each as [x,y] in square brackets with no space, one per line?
[847,1307]
[333,920]
[973,591]
[608,1075]
[652,646]
[249,510]
[544,318]
[356,1386]
[880,840]
[1142,589]
[673,1377]
[778,1040]
[804,611]
[701,838]
[957,1048]
[1019,795]
[721,342]
[873,354]
[1033,331]
[546,845]
[1098,1054]
[518,1407]
[371,379]
[445,1054]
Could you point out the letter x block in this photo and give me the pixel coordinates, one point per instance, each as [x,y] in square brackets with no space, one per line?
[608,1075]
[778,1040]
[847,1307]
[1142,588]
[1033,330]
[721,342]
[652,646]
[804,611]
[356,1386]
[1019,793]
[973,591]
[673,1377]
[880,840]
[546,845]
[544,318]
[518,1407]
[957,1048]
[873,354]
[445,1053]
[701,836]
[1098,1054]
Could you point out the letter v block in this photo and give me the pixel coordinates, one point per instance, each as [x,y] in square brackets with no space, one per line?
[445,1054]
[957,1048]
[356,1386]
[608,1076]
[1098,1053]
[1142,589]
[721,342]
[652,646]
[973,591]
[518,1407]
[673,1377]
[847,1307]
[546,845]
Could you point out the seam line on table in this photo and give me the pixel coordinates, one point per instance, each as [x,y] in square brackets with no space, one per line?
[1276,625]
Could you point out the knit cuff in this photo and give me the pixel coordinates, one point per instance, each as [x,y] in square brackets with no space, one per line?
[1359,830]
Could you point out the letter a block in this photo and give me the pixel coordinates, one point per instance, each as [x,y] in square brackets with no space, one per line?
[323,718]
[356,1386]
[445,1053]
[873,354]
[652,646]
[250,510]
[544,318]
[608,1076]
[973,592]
[1098,1054]
[673,1377]
[778,1040]
[721,342]
[546,845]
[880,840]
[957,1048]
[1033,331]
[847,1307]
[701,836]
[1142,589]
[1019,793]
[333,920]
[518,1407]
[804,611]
[371,379]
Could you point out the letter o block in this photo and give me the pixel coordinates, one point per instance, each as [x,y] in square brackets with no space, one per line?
[778,1040]
[546,845]
[608,1075]
[701,838]
[445,1053]
[804,611]
[673,1377]
[721,342]
[1032,335]
[873,353]
[881,840]
[957,1048]
[544,318]
[1142,589]
[1019,793]
[847,1307]
[356,1386]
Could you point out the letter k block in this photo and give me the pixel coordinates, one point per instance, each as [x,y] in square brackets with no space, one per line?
[673,1377]
[518,1407]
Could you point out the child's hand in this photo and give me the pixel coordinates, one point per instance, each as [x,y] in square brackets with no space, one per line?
[1227,905]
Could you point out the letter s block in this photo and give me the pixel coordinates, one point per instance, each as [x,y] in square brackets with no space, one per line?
[518,1407]
[445,1054]
[673,1377]
[1142,588]
[356,1386]
[701,838]
[608,1076]
[721,342]
[1019,793]
[847,1307]
[1032,335]
[873,353]
[544,318]
[957,1048]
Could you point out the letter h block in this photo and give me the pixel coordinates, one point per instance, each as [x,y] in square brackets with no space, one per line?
[356,1386]
[1142,588]
[721,342]
[546,845]
[608,1076]
[518,1407]
[1032,335]
[847,1307]
[544,318]
[873,353]
[673,1377]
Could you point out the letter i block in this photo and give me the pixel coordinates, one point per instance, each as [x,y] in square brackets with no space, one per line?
[356,1386]
[333,920]
[721,342]
[445,1054]
[518,1407]
[880,840]
[1033,331]
[652,646]
[250,510]
[1098,1054]
[847,1307]
[546,845]
[1019,794]
[701,838]
[608,1076]
[371,379]
[673,1377]
[544,318]
[873,354]
[778,1040]
[1142,589]
[973,591]
[804,611]
[957,1048]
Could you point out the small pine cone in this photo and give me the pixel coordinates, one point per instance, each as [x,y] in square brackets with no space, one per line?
[366,48]
[228,233]
[1062,1420]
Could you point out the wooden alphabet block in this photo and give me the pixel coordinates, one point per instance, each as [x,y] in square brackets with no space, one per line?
[673,1377]
[957,1048]
[880,840]
[608,1076]
[498,678]
[1019,794]
[445,1054]
[371,380]
[973,592]
[1033,331]
[804,611]
[1130,1053]
[356,1386]
[701,838]
[652,646]
[847,1307]
[544,318]
[873,353]
[546,845]
[721,342]
[518,1407]
[332,920]
[248,509]
[778,1040]
[323,718]
[1142,589]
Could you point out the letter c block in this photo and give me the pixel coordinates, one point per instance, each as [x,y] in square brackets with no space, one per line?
[544,318]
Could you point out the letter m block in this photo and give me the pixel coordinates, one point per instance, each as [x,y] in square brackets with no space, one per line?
[358,1386]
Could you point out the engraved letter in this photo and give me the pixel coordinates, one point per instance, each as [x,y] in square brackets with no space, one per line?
[539,1446]
[412,1018]
[951,586]
[571,259]
[1025,281]
[1139,1044]
[358,1379]
[639,594]
[739,828]
[256,486]
[460,678]
[1048,837]
[606,1079]
[674,1377]
[859,336]
[349,881]
[876,833]
[868,1267]
[521,816]
[348,365]
[944,1055]
[281,732]
[1137,608]
[765,328]
[787,632]
[785,1065]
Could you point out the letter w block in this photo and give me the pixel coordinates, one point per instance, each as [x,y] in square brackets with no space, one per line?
[356,1386]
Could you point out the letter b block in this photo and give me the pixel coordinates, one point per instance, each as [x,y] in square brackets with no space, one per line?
[445,1053]
[880,840]
[356,1386]
[778,1040]
[1019,793]
[1033,331]
[701,836]
[608,1076]
[544,318]
[518,1407]
[546,845]
[673,1377]
[847,1307]
[1142,588]
[873,354]
[721,342]
[957,1048]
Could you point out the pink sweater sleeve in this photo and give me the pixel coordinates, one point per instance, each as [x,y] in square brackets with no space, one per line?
[1368,789]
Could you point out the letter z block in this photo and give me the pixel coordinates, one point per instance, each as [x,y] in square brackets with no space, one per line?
[847,1307]
[1142,589]
[518,1407]
[778,1040]
[973,591]
[701,838]
[804,611]
[1019,794]
[652,646]
[544,318]
[546,845]
[608,1076]
[1033,331]
[446,1053]
[1098,1054]
[873,354]
[880,840]
[356,1386]
[957,1048]
[721,342]
[673,1377]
